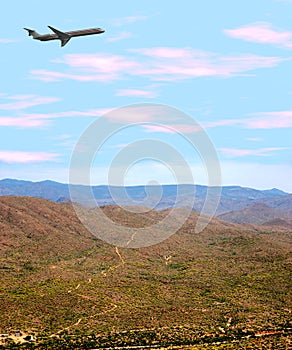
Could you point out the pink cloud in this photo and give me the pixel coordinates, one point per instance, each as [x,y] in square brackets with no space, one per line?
[22,122]
[171,128]
[136,93]
[121,36]
[232,152]
[36,120]
[270,120]
[223,122]
[26,101]
[26,157]
[261,32]
[89,67]
[101,63]
[51,76]
[151,128]
[133,114]
[168,52]
[173,63]
[160,63]
[262,120]
[70,114]
[141,114]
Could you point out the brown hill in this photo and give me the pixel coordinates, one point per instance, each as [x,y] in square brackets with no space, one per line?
[257,214]
[281,223]
[40,227]
[56,276]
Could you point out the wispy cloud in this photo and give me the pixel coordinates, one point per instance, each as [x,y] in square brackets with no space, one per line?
[65,141]
[151,128]
[136,93]
[172,128]
[52,76]
[136,114]
[222,122]
[26,101]
[27,157]
[39,120]
[234,152]
[8,41]
[164,63]
[260,120]
[90,67]
[23,122]
[262,32]
[127,20]
[254,139]
[171,52]
[62,137]
[270,120]
[119,145]
[120,36]
[159,63]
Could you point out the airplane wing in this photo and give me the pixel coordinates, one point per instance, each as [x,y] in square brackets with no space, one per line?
[64,37]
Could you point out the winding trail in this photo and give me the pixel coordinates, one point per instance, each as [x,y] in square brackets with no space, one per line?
[88,297]
[122,263]
[119,255]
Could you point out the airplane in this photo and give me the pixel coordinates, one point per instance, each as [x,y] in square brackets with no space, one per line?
[63,36]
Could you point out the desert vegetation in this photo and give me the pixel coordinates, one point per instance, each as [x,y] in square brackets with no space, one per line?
[228,287]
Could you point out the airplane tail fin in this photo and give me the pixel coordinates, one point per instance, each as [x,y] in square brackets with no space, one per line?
[32,33]
[64,37]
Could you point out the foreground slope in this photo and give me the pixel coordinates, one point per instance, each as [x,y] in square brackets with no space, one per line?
[56,278]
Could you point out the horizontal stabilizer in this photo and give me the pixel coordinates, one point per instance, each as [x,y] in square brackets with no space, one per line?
[30,31]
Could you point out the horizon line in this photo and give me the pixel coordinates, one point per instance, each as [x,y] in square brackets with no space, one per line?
[139,185]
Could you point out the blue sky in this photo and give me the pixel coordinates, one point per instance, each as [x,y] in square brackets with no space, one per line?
[227,64]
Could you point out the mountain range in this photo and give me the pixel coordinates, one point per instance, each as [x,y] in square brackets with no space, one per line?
[237,204]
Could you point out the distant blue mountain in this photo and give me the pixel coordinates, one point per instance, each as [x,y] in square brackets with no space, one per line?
[232,197]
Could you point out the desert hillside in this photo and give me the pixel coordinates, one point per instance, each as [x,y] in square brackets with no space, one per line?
[258,214]
[57,279]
